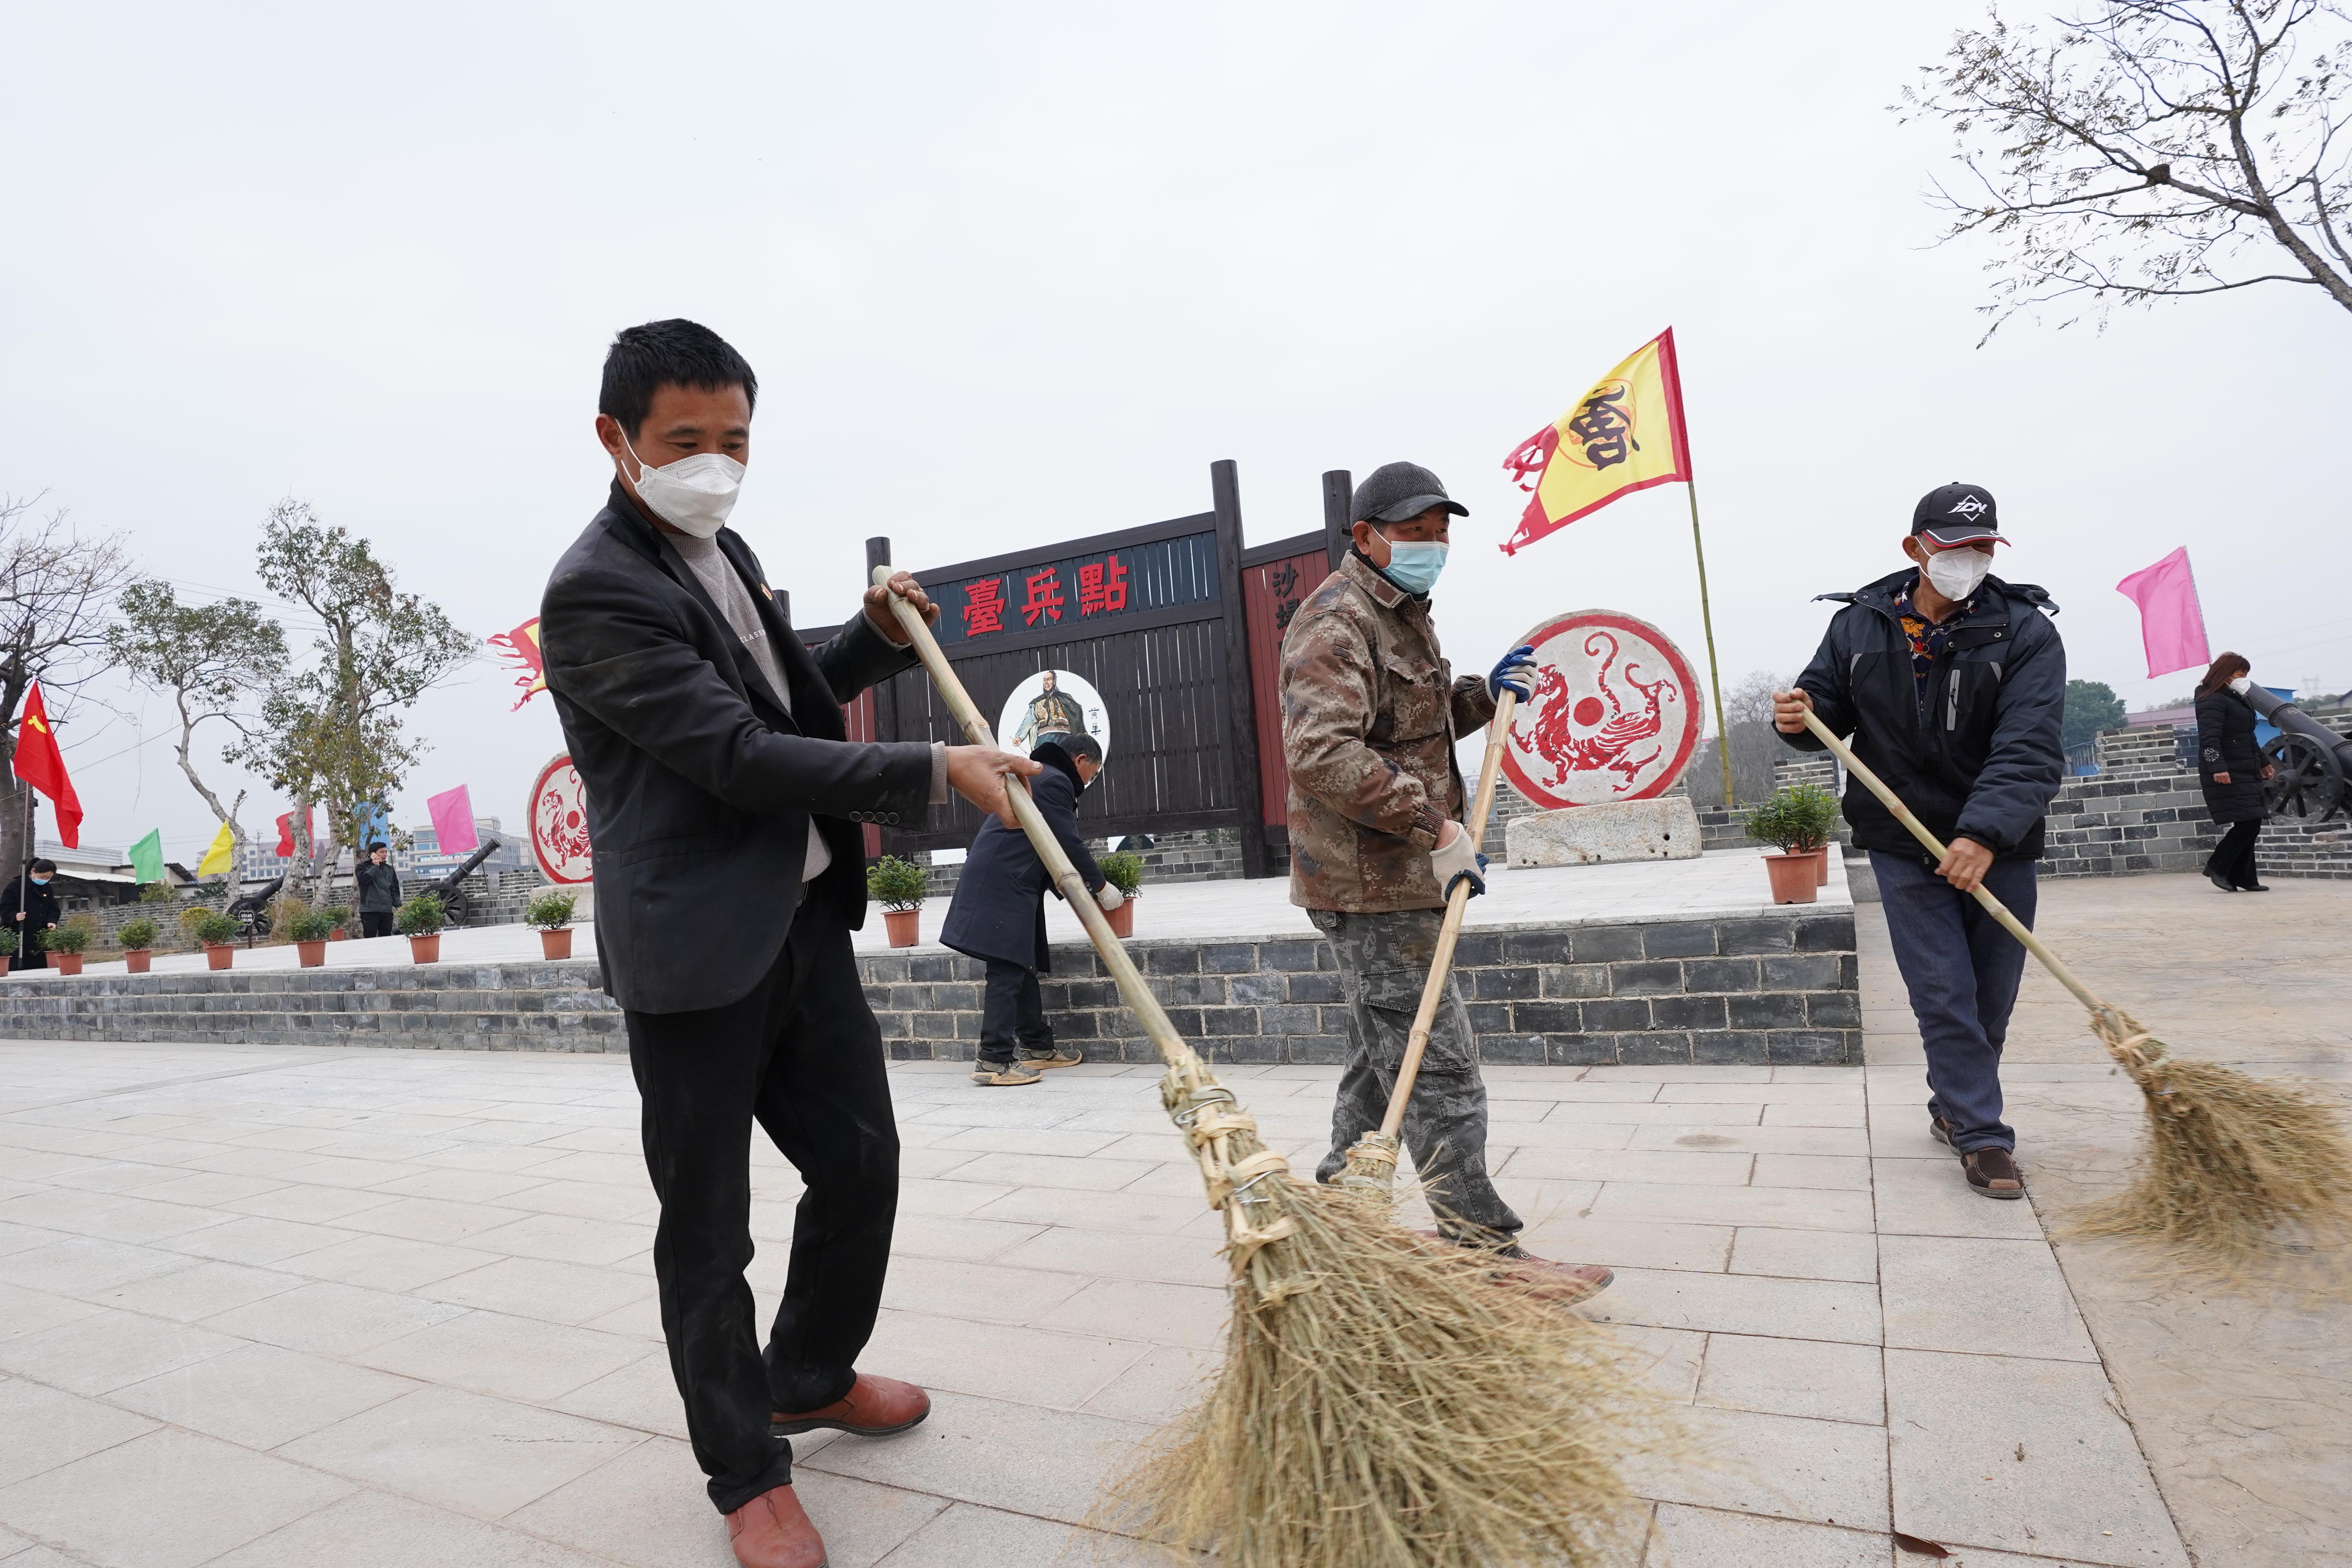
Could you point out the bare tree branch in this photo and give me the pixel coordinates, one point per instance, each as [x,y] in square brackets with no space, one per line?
[2200,106]
[56,590]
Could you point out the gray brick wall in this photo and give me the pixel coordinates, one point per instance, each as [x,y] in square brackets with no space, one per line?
[1778,986]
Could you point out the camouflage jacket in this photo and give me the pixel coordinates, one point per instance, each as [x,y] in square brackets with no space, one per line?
[1370,714]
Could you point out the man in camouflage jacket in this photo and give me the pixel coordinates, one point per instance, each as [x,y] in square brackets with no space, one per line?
[1371,712]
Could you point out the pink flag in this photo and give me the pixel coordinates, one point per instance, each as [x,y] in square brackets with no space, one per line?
[453,821]
[2171,624]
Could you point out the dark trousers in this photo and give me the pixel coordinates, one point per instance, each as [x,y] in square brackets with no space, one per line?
[375,922]
[1013,1015]
[2234,858]
[1384,962]
[1962,972]
[803,1055]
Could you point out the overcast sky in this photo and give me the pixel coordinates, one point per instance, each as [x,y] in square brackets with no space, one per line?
[1011,274]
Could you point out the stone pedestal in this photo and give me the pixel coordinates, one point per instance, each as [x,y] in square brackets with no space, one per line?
[1662,830]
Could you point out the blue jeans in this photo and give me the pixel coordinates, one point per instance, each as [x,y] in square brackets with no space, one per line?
[1962,971]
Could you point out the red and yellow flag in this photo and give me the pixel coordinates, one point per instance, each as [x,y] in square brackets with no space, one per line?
[1623,434]
[42,765]
[521,648]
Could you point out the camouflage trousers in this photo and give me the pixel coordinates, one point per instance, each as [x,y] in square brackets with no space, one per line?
[1383,964]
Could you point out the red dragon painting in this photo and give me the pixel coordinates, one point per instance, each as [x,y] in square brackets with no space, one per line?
[1617,739]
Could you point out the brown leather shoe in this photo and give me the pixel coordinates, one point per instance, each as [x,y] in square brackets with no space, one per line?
[1993,1173]
[772,1530]
[874,1407]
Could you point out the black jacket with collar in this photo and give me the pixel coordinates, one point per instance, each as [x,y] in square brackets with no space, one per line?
[699,783]
[1988,754]
[999,907]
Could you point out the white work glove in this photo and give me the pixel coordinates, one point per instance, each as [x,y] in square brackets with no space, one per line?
[1455,858]
[1108,898]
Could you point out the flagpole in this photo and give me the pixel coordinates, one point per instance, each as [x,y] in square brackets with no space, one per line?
[1706,619]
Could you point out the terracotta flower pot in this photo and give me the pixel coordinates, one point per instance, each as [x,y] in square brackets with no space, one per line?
[134,960]
[66,962]
[1122,919]
[338,935]
[1822,857]
[905,926]
[4,965]
[1794,878]
[555,941]
[426,949]
[311,954]
[219,955]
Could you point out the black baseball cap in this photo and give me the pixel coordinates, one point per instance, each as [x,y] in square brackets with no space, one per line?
[1956,513]
[1396,491]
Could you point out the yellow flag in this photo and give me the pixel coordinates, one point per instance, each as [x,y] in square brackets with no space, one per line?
[1623,434]
[219,856]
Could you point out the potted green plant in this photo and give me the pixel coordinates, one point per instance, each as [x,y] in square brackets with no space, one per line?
[1793,821]
[8,949]
[338,918]
[420,921]
[66,944]
[1124,871]
[138,939]
[215,932]
[310,929]
[551,913]
[899,886]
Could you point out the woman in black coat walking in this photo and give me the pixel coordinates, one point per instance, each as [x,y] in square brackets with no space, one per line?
[2232,769]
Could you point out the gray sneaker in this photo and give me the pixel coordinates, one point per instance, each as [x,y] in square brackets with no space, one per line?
[1003,1075]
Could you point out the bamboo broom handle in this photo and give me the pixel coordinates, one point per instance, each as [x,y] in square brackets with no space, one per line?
[1138,997]
[1432,990]
[1993,905]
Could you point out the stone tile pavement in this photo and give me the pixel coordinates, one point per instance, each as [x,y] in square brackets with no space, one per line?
[373,1307]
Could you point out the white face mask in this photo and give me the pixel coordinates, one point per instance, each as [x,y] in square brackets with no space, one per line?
[1956,573]
[2242,685]
[694,494]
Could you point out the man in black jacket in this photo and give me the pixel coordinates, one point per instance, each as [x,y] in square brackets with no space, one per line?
[377,880]
[998,916]
[721,795]
[1952,684]
[29,907]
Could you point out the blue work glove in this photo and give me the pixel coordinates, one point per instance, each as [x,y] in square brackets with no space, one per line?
[1515,672]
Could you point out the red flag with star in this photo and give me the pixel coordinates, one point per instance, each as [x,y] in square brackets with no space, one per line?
[42,765]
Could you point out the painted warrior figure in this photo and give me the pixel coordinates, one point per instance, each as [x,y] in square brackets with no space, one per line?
[1050,712]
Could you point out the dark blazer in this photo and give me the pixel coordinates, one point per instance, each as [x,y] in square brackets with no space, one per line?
[999,907]
[2225,744]
[700,785]
[378,886]
[1988,754]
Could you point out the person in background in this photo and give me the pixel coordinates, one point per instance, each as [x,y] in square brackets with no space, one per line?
[998,916]
[1952,684]
[2230,767]
[379,890]
[32,913]
[1371,711]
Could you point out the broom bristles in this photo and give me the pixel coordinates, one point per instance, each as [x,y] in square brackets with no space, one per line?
[1386,1404]
[2240,1173]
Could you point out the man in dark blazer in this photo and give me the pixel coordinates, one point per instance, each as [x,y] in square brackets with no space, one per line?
[721,795]
[998,916]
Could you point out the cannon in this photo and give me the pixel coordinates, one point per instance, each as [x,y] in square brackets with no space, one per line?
[251,910]
[451,889]
[2311,763]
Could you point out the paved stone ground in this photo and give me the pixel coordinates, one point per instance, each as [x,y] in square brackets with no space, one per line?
[274,1307]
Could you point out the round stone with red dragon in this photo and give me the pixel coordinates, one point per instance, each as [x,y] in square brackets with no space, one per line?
[559,823]
[1614,715]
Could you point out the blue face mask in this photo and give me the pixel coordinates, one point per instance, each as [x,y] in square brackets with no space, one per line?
[1414,567]
[40,881]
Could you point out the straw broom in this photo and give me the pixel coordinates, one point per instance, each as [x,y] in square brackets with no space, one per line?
[2234,1164]
[1383,1402]
[1373,1162]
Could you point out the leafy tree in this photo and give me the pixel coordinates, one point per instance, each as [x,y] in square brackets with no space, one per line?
[2153,149]
[2091,706]
[213,661]
[56,589]
[331,731]
[1756,746]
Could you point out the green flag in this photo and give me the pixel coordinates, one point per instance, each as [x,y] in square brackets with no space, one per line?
[147,858]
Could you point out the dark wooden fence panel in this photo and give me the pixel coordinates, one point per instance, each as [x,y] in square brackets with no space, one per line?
[1272,590]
